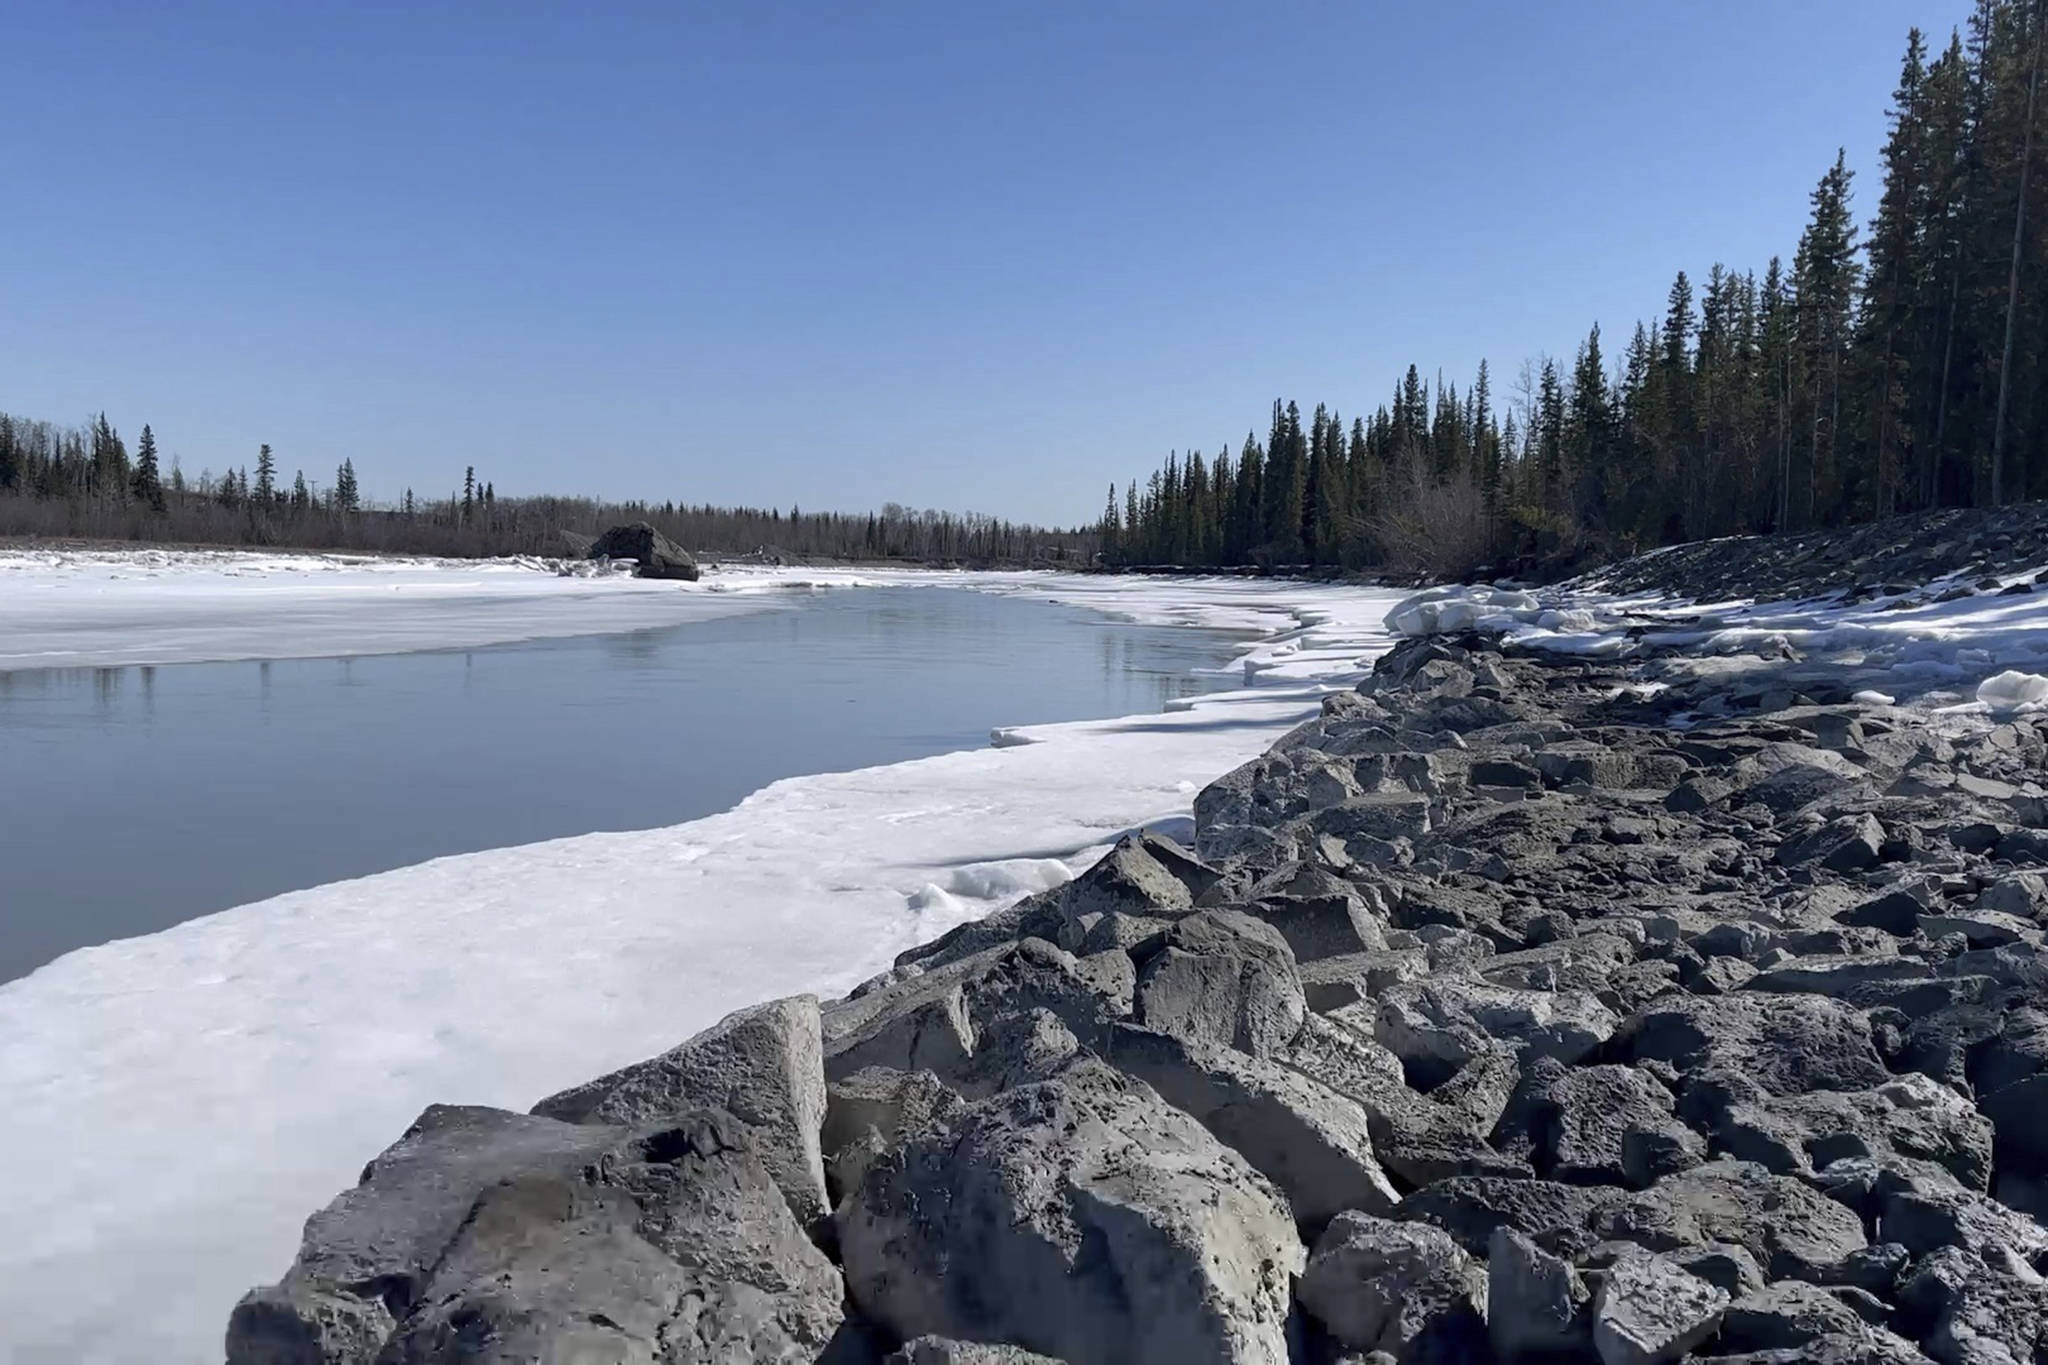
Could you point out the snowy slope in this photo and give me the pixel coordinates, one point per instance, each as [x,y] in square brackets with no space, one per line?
[177,1104]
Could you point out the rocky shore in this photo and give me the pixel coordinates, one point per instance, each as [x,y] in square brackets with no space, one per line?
[1521,1008]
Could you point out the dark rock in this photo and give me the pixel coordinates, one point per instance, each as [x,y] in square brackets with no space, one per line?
[763,1065]
[1223,977]
[1650,1311]
[1793,1232]
[1403,1288]
[655,553]
[1537,1306]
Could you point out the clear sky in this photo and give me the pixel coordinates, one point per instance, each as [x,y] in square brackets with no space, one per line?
[976,254]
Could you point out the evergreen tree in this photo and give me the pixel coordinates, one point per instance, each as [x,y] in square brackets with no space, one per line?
[145,483]
[266,476]
[346,498]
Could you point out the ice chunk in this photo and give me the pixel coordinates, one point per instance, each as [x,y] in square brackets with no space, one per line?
[2013,689]
[1872,698]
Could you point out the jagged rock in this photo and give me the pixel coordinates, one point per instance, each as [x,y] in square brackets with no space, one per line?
[1537,1306]
[1318,927]
[935,1020]
[1438,1024]
[1848,843]
[1082,1218]
[1796,1134]
[1649,1311]
[1726,1266]
[869,1111]
[1788,1045]
[2021,894]
[538,1239]
[1970,1312]
[1470,1207]
[655,553]
[366,1257]
[1223,977]
[1789,1315]
[764,1065]
[1314,1143]
[1333,982]
[945,1351]
[1132,879]
[1033,917]
[1401,1288]
[1575,1125]
[1793,1232]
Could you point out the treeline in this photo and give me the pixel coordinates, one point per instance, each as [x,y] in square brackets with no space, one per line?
[1880,371]
[84,483]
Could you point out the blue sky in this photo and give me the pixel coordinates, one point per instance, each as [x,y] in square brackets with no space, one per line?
[983,256]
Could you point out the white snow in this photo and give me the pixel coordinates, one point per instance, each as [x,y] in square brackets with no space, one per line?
[175,1105]
[1914,643]
[1872,697]
[82,609]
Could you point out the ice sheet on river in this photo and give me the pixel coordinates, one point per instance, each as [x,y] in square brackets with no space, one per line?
[175,1105]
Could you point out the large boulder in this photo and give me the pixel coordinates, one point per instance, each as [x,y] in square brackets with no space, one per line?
[1649,1311]
[655,553]
[1403,1288]
[1311,1141]
[1536,1303]
[1787,1044]
[488,1236]
[1083,1218]
[764,1065]
[1222,977]
[945,1020]
[1791,1230]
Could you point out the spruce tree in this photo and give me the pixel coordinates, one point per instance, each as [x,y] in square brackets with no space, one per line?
[145,483]
[266,476]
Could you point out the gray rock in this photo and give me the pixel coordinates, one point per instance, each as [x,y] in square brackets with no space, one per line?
[1225,978]
[1537,1307]
[1314,1143]
[1848,843]
[869,1111]
[1649,1311]
[1317,927]
[1130,879]
[655,553]
[1793,1232]
[1333,982]
[945,1351]
[366,1257]
[1575,1124]
[1081,1218]
[935,1020]
[1789,1315]
[1911,1115]
[1437,1025]
[2022,894]
[1470,1207]
[763,1065]
[500,1237]
[1787,1045]
[1726,1266]
[1378,1285]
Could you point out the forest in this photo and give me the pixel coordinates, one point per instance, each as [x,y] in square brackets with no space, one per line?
[1888,367]
[83,483]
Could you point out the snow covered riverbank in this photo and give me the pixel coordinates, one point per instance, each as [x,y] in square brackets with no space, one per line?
[177,1102]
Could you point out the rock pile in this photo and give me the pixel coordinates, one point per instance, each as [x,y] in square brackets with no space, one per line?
[1500,1014]
[1876,559]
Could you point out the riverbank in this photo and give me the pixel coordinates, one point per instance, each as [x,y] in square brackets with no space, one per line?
[1529,1003]
[494,977]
